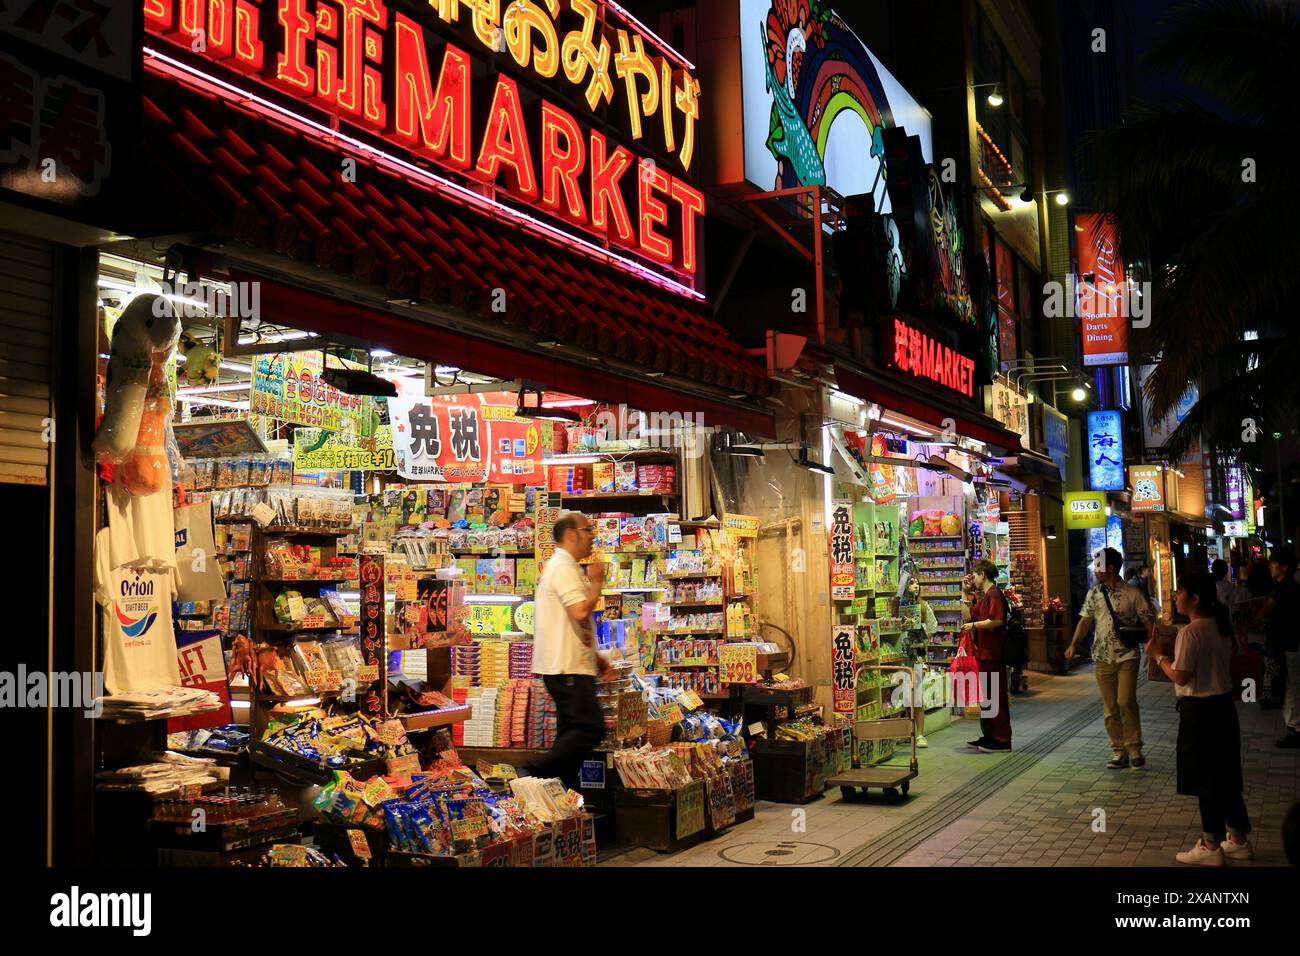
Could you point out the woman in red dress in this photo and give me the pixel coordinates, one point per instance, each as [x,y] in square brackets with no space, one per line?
[985,610]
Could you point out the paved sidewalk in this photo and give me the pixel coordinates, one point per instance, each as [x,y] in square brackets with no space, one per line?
[1033,807]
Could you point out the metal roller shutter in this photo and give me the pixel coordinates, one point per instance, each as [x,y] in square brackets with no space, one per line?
[26,322]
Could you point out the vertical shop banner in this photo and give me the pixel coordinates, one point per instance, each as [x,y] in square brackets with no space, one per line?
[844,666]
[465,438]
[1234,489]
[1056,436]
[1106,451]
[1009,407]
[288,387]
[842,550]
[202,664]
[1102,291]
[1084,509]
[1148,482]
[548,512]
[371,573]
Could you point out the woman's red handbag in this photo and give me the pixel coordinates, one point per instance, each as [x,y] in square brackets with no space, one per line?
[965,673]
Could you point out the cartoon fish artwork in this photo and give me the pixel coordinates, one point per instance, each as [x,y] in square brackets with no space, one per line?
[789,137]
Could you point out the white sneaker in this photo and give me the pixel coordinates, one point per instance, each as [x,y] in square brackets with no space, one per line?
[1237,851]
[1201,855]
[921,742]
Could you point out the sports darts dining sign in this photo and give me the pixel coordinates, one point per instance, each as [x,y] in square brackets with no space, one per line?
[431,84]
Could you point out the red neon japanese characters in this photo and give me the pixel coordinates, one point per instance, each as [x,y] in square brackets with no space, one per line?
[908,349]
[394,76]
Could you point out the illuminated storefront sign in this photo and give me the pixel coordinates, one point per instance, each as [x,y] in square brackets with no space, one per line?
[1148,482]
[1106,451]
[387,73]
[908,349]
[1085,509]
[1103,291]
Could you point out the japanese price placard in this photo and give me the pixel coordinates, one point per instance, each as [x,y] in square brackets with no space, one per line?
[739,664]
[843,665]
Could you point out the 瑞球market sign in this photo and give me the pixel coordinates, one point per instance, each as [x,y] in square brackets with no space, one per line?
[318,450]
[288,387]
[412,80]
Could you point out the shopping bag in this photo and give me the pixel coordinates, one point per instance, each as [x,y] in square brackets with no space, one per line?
[965,674]
[1167,636]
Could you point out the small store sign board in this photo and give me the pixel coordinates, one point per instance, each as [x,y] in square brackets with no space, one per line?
[1085,509]
[740,526]
[1148,483]
[842,550]
[843,666]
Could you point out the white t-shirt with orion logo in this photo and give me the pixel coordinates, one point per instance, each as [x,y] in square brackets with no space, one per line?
[139,644]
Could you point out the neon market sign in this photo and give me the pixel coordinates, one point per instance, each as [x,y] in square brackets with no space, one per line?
[393,76]
[908,349]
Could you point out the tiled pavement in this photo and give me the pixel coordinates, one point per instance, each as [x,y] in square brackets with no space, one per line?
[1034,807]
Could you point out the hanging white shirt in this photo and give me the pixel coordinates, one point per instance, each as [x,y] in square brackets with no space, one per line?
[139,643]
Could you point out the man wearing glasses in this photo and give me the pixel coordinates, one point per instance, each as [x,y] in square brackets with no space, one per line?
[564,649]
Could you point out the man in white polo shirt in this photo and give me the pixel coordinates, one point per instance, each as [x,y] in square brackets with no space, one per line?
[564,649]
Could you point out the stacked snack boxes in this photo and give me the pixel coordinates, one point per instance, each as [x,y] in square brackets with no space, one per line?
[466,664]
[503,718]
[656,477]
[519,713]
[495,667]
[541,716]
[521,660]
[480,729]
[570,479]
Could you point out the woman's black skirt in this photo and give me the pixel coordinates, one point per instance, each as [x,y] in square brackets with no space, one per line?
[1209,746]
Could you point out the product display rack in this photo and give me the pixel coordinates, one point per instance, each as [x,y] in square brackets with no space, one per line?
[941,568]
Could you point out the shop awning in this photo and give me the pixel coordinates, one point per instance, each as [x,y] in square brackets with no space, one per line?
[876,387]
[244,178]
[407,336]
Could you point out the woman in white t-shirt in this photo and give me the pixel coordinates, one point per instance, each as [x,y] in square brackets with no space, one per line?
[1209,735]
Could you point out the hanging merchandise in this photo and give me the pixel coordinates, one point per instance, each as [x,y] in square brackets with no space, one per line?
[199,575]
[135,430]
[139,646]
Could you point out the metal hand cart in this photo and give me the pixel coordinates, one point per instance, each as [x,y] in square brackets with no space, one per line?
[893,780]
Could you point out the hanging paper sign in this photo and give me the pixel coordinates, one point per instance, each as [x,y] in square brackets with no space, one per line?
[525,617]
[288,387]
[315,449]
[465,438]
[203,664]
[371,624]
[740,526]
[842,550]
[545,546]
[739,664]
[843,666]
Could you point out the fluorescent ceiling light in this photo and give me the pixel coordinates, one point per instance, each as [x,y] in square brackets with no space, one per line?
[568,403]
[380,353]
[493,598]
[571,460]
[222,402]
[288,335]
[199,389]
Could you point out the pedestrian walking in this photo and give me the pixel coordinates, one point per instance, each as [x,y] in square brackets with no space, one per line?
[985,609]
[1222,585]
[564,649]
[1281,617]
[1118,611]
[1209,735]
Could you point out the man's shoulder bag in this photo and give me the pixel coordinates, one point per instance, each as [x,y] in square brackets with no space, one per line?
[1132,636]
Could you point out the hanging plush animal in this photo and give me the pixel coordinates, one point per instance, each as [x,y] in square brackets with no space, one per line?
[202,361]
[133,432]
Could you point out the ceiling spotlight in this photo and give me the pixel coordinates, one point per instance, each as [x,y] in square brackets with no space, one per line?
[1078,394]
[995,98]
[1051,532]
[380,353]
[1063,198]
[747,451]
[1027,195]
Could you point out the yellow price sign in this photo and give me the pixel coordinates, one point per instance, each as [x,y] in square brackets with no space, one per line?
[739,664]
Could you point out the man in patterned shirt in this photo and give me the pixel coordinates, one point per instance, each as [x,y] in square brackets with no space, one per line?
[1110,604]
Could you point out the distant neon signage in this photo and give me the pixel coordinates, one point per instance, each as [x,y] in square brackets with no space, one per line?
[388,74]
[1105,451]
[908,349]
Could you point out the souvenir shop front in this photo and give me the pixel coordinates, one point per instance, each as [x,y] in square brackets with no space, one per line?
[344,400]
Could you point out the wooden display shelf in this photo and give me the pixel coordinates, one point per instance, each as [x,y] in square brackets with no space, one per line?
[435,718]
[717,603]
[291,629]
[687,577]
[303,580]
[489,552]
[319,532]
[615,495]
